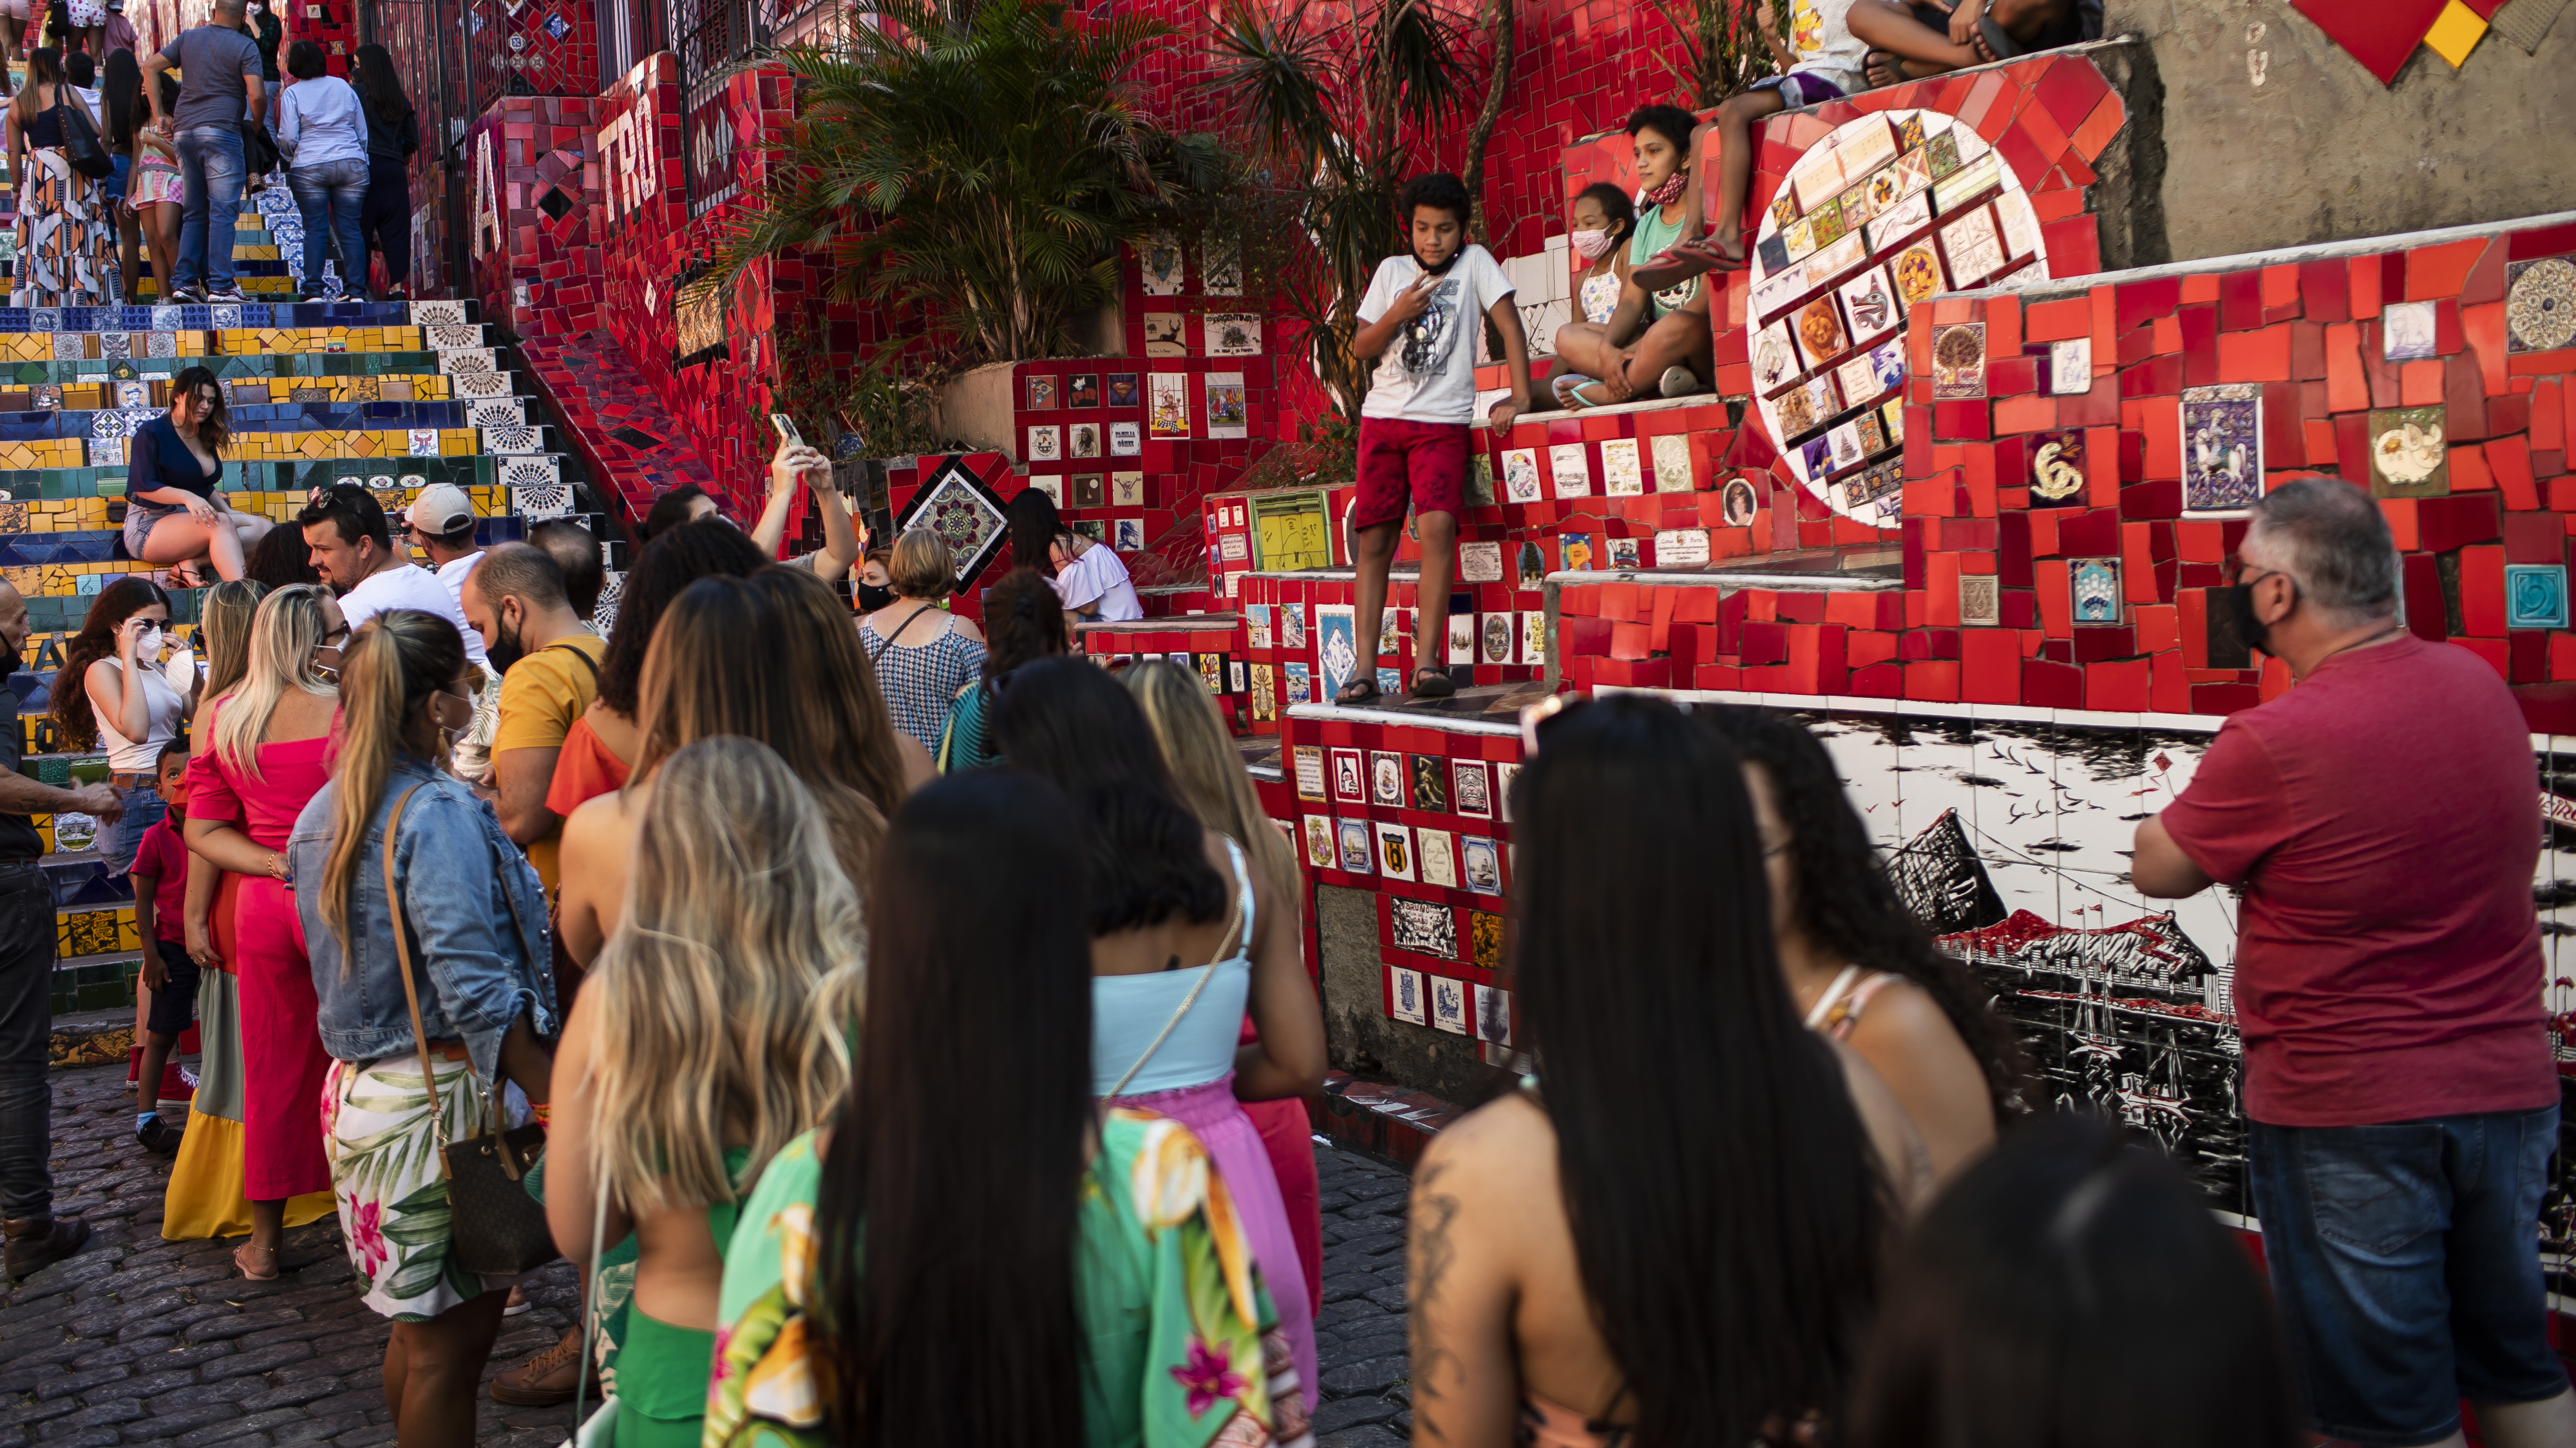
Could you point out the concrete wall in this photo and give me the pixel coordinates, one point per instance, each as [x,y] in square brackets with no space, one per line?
[1359,1038]
[2275,136]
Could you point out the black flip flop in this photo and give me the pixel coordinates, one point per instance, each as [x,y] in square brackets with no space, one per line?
[1999,42]
[1356,691]
[1429,683]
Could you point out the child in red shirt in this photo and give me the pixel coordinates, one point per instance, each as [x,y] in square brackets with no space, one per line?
[160,899]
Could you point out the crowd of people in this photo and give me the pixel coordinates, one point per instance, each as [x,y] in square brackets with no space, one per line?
[727,895]
[180,150]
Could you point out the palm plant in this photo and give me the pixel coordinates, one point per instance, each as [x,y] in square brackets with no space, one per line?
[1338,110]
[1720,50]
[980,166]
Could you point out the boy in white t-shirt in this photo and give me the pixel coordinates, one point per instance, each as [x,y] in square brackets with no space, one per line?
[1419,321]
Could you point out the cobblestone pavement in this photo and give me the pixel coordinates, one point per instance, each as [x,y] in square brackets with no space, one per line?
[137,1340]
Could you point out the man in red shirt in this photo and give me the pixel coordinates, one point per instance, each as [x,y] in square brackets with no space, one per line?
[2383,821]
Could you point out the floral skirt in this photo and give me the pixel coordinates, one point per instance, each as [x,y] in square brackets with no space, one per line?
[376,1130]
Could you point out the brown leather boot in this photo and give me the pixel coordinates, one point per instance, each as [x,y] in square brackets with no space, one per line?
[546,1379]
[36,1243]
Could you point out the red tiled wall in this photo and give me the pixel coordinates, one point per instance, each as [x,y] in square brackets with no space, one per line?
[540,276]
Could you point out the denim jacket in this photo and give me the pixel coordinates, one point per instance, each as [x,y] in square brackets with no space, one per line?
[460,879]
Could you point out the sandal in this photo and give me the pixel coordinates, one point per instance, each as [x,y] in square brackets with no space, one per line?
[1431,683]
[269,1276]
[1682,261]
[1576,401]
[1356,691]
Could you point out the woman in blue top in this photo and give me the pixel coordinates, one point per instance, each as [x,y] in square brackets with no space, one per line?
[1184,933]
[174,504]
[474,917]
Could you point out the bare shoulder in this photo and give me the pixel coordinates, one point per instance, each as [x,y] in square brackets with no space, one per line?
[1501,1142]
[966,628]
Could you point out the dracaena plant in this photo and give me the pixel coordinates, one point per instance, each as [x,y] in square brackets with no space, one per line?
[978,168]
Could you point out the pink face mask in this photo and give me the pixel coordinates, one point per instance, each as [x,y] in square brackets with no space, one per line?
[1591,245]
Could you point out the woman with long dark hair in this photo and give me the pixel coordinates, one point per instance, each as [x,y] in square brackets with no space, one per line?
[1186,934]
[2072,1288]
[129,139]
[1024,623]
[114,690]
[1037,1270]
[175,511]
[393,135]
[1862,970]
[66,242]
[1673,1237]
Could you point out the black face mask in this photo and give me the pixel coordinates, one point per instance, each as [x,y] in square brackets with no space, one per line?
[872,596]
[2249,625]
[1443,269]
[505,650]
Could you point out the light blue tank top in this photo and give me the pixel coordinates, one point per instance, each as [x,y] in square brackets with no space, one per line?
[1129,1011]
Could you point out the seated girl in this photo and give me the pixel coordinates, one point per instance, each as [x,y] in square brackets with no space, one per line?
[1604,218]
[1653,343]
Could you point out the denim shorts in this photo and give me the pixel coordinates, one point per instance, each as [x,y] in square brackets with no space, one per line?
[2405,1262]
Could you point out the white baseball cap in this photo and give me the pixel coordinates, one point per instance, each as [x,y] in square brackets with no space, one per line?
[441,508]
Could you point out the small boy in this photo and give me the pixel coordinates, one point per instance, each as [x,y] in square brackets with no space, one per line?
[160,916]
[1419,320]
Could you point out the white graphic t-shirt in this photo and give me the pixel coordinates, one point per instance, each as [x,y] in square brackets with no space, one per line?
[1820,32]
[1428,371]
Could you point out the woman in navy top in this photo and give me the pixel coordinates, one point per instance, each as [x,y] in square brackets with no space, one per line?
[174,507]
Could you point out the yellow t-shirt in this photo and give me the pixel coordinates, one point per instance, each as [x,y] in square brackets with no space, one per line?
[541,696]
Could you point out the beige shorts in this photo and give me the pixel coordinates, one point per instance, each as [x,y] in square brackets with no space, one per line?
[13,9]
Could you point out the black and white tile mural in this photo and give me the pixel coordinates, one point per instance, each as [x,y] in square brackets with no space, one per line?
[2010,834]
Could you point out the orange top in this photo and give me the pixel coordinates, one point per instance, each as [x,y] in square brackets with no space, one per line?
[584,769]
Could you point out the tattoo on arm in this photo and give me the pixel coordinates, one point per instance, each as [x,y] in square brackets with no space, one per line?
[1430,1254]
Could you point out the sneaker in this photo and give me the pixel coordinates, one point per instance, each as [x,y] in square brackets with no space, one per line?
[546,1379]
[1679,382]
[227,294]
[36,1243]
[518,1302]
[159,1136]
[185,294]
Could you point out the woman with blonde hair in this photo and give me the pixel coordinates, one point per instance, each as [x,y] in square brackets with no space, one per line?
[701,680]
[922,653]
[262,753]
[712,1031]
[1209,772]
[433,986]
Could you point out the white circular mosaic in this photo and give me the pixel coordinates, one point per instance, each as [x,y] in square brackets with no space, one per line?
[1881,215]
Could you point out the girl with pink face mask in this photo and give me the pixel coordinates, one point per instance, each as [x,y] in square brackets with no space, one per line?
[1604,219]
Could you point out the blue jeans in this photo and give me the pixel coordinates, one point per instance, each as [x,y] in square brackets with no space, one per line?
[331,195]
[2405,1263]
[210,168]
[120,841]
[26,1026]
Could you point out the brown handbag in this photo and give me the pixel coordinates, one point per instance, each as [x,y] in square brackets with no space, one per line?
[494,1227]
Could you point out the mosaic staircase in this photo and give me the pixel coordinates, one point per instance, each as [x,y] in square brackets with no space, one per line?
[395,396]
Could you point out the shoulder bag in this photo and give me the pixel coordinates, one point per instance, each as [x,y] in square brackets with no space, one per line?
[495,1227]
[81,145]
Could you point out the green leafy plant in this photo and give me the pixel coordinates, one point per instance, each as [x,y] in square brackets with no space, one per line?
[1721,50]
[1335,103]
[979,167]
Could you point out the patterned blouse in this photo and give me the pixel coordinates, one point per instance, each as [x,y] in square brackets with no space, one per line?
[919,682]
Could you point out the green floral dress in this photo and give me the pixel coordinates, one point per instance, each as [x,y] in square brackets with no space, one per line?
[1183,1347]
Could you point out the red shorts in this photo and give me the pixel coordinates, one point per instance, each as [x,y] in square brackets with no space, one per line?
[1423,461]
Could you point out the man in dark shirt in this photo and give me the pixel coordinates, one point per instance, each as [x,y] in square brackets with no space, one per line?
[34,1237]
[219,84]
[2383,819]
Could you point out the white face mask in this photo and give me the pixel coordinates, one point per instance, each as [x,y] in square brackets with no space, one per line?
[1591,245]
[147,645]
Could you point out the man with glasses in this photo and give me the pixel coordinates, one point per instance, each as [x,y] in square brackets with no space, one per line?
[353,550]
[2382,818]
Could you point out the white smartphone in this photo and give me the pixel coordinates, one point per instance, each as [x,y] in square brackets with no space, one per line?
[787,432]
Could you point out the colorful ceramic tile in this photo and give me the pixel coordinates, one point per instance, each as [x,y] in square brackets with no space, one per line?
[1437,857]
[1041,392]
[1822,397]
[1775,358]
[1941,154]
[2540,305]
[1520,475]
[1797,412]
[1159,256]
[1462,638]
[1430,783]
[1122,389]
[1737,504]
[1799,239]
[1046,444]
[1493,1015]
[1087,491]
[1869,305]
[1448,1003]
[1772,253]
[1898,222]
[1672,464]
[1884,188]
[1083,439]
[1845,441]
[1082,391]
[1966,184]
[1167,403]
[1873,438]
[2406,331]
[1820,331]
[2535,595]
[1386,779]
[1164,336]
[1350,783]
[2408,458]
[1909,130]
[1359,847]
[1395,862]
[1232,334]
[2222,446]
[1858,379]
[1973,249]
[2019,224]
[2056,468]
[1917,273]
[1980,601]
[1623,474]
[1480,859]
[1814,459]
[1784,209]
[1227,412]
[1831,263]
[1887,361]
[1959,361]
[1406,1000]
[1469,788]
[1494,638]
[2094,586]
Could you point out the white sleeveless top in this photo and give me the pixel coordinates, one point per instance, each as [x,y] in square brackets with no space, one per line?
[130,756]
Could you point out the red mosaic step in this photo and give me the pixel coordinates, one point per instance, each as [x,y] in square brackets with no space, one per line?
[635,449]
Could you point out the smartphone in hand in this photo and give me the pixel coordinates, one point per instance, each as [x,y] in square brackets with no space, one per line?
[787,432]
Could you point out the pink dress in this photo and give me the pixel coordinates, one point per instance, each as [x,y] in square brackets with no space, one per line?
[283,1062]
